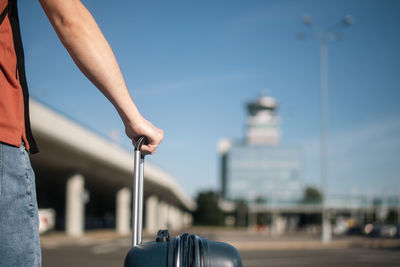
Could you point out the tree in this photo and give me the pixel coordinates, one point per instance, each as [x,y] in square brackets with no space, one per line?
[312,195]
[208,211]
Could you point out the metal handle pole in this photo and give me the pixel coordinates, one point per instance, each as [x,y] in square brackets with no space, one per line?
[137,196]
[135,200]
[140,218]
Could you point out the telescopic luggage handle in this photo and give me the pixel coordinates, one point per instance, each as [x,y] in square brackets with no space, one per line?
[137,197]
[141,140]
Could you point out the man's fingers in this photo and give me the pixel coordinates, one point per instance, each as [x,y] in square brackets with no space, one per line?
[148,149]
[154,135]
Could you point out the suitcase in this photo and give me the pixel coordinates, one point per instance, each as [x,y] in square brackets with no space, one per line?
[186,250]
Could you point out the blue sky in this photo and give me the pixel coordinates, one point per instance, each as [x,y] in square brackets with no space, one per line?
[191,67]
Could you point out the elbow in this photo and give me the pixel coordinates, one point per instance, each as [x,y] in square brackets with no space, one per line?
[65,22]
[64,16]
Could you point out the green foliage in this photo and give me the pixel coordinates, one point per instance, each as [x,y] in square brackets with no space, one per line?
[312,195]
[208,211]
[260,200]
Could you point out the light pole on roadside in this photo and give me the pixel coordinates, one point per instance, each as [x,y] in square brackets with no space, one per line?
[323,37]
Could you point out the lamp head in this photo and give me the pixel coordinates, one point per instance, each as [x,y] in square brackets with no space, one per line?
[307,20]
[348,21]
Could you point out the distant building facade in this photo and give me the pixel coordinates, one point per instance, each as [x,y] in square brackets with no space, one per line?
[258,168]
[267,176]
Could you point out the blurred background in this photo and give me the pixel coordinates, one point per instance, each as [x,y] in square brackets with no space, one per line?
[281,123]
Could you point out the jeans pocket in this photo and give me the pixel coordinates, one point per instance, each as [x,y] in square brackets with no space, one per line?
[29,177]
[1,164]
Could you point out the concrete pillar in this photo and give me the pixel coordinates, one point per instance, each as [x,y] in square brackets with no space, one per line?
[123,209]
[178,218]
[184,219]
[175,218]
[170,216]
[326,228]
[273,227]
[187,220]
[163,215]
[278,224]
[75,205]
[152,220]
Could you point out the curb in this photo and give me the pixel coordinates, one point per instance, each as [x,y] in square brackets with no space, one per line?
[314,245]
[55,240]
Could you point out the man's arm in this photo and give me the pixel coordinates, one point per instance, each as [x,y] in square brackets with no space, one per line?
[91,52]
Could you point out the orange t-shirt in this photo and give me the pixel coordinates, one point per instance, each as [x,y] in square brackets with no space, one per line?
[12,120]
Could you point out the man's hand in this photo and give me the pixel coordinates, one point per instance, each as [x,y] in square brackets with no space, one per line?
[141,126]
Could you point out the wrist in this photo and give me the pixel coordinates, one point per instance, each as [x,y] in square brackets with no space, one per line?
[128,112]
[132,118]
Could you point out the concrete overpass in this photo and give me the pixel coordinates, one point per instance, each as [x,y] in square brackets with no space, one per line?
[88,179]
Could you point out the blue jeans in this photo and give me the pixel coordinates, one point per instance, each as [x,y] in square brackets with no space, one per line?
[19,221]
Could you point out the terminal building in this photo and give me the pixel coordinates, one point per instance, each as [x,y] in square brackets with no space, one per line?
[86,180]
[267,177]
[259,169]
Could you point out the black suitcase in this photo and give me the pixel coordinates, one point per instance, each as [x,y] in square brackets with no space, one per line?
[187,250]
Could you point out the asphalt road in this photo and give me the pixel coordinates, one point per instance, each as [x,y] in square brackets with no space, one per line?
[351,257]
[112,253]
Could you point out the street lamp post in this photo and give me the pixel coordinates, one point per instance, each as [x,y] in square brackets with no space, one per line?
[323,37]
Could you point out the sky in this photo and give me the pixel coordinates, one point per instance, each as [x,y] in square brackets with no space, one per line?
[191,67]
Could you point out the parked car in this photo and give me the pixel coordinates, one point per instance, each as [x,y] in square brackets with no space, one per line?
[382,230]
[47,218]
[388,230]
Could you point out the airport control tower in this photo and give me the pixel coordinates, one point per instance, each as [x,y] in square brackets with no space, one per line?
[258,166]
[263,123]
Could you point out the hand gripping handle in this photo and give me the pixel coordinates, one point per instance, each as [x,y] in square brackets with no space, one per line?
[141,140]
[137,196]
